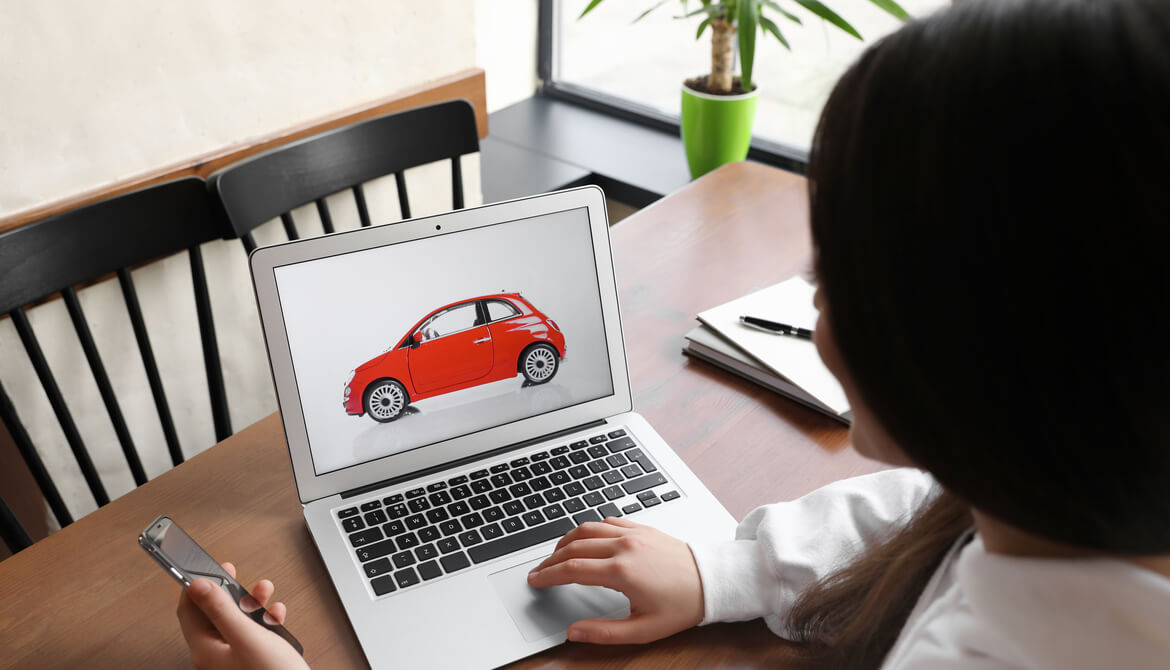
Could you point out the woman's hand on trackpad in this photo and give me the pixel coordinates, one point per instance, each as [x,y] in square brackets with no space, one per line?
[655,571]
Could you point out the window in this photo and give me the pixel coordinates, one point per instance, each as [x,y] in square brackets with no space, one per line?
[644,64]
[499,309]
[453,320]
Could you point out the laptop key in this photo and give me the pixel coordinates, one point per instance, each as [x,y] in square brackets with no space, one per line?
[520,540]
[460,492]
[580,444]
[560,463]
[617,433]
[540,483]
[597,439]
[578,457]
[428,534]
[519,475]
[523,460]
[646,495]
[426,552]
[471,520]
[644,482]
[437,515]
[456,481]
[598,466]
[376,550]
[586,516]
[372,505]
[415,522]
[406,578]
[501,480]
[620,445]
[574,488]
[365,537]
[482,485]
[429,570]
[637,455]
[557,451]
[578,472]
[418,505]
[403,559]
[414,493]
[554,495]
[479,474]
[540,456]
[454,562]
[450,527]
[378,567]
[500,496]
[652,501]
[520,490]
[553,512]
[440,498]
[542,468]
[493,514]
[631,508]
[533,518]
[491,531]
[447,545]
[478,502]
[435,486]
[593,483]
[353,524]
[613,493]
[498,467]
[407,541]
[574,505]
[597,451]
[394,528]
[612,476]
[374,518]
[670,495]
[383,585]
[459,508]
[470,538]
[616,460]
[348,512]
[609,509]
[593,499]
[534,501]
[559,477]
[632,470]
[513,507]
[512,524]
[397,511]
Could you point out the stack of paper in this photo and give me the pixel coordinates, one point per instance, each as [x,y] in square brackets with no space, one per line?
[787,365]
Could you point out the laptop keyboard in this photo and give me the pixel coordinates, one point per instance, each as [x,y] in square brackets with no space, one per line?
[416,535]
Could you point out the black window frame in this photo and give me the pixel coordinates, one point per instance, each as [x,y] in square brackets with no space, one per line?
[761,150]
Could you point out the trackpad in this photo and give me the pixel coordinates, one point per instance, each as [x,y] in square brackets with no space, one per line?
[539,613]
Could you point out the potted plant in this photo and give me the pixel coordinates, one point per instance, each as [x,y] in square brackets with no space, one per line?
[718,109]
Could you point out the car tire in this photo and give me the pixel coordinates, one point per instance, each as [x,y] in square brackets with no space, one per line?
[539,363]
[385,400]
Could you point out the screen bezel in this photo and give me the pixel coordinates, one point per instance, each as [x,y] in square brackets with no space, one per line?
[263,261]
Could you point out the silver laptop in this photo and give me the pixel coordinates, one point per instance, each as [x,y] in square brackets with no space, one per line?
[455,397]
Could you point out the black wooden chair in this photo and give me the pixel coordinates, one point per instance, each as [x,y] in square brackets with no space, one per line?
[55,255]
[271,184]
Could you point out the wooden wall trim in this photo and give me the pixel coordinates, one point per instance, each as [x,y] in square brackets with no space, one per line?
[468,84]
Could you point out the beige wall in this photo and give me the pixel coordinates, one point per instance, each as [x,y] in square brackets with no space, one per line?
[97,92]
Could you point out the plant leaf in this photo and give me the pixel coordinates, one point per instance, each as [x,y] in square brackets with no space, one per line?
[788,15]
[747,25]
[703,26]
[817,7]
[771,27]
[892,8]
[709,11]
[589,8]
[643,14]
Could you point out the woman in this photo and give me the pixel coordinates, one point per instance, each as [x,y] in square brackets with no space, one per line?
[989,197]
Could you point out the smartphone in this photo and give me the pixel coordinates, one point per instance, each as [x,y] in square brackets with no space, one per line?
[183,558]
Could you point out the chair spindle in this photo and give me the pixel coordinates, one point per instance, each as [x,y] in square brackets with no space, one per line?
[33,460]
[403,202]
[359,196]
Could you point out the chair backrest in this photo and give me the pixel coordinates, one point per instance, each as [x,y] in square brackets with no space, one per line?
[55,255]
[271,184]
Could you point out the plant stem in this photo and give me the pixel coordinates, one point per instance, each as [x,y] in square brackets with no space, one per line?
[722,56]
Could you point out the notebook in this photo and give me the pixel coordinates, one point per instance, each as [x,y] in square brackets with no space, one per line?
[455,397]
[788,365]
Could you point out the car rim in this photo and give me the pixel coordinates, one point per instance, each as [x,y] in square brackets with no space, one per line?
[540,364]
[386,401]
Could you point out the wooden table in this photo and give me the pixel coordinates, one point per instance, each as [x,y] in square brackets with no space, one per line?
[89,597]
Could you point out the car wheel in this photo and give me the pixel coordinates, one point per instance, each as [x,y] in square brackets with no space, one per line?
[385,400]
[539,363]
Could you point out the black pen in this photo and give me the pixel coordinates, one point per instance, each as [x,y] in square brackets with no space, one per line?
[776,327]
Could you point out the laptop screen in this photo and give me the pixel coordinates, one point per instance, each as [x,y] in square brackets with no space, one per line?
[402,346]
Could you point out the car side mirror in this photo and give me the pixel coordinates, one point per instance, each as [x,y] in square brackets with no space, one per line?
[415,340]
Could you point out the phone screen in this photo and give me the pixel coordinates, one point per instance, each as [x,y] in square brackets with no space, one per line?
[186,561]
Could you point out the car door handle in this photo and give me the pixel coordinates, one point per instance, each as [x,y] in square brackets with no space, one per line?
[482,339]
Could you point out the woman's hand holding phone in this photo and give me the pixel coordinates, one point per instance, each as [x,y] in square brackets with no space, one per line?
[220,635]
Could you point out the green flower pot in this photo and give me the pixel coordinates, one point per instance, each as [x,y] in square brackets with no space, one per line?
[716,129]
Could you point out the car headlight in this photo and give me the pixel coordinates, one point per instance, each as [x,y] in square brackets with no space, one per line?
[349,379]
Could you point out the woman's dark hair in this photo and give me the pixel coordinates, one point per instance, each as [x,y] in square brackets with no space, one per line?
[990,205]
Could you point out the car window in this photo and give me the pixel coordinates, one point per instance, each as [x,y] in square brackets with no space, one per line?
[498,309]
[460,317]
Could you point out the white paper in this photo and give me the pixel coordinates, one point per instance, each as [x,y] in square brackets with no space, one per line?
[789,302]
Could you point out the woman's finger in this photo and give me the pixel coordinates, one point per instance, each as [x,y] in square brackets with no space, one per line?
[587,571]
[587,530]
[277,613]
[230,568]
[262,592]
[630,630]
[594,547]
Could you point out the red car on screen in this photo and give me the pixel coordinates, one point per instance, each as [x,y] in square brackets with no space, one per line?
[457,346]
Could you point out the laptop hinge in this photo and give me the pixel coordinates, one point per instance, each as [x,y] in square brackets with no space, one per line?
[470,459]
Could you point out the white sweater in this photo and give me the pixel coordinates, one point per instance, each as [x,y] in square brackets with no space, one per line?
[979,611]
